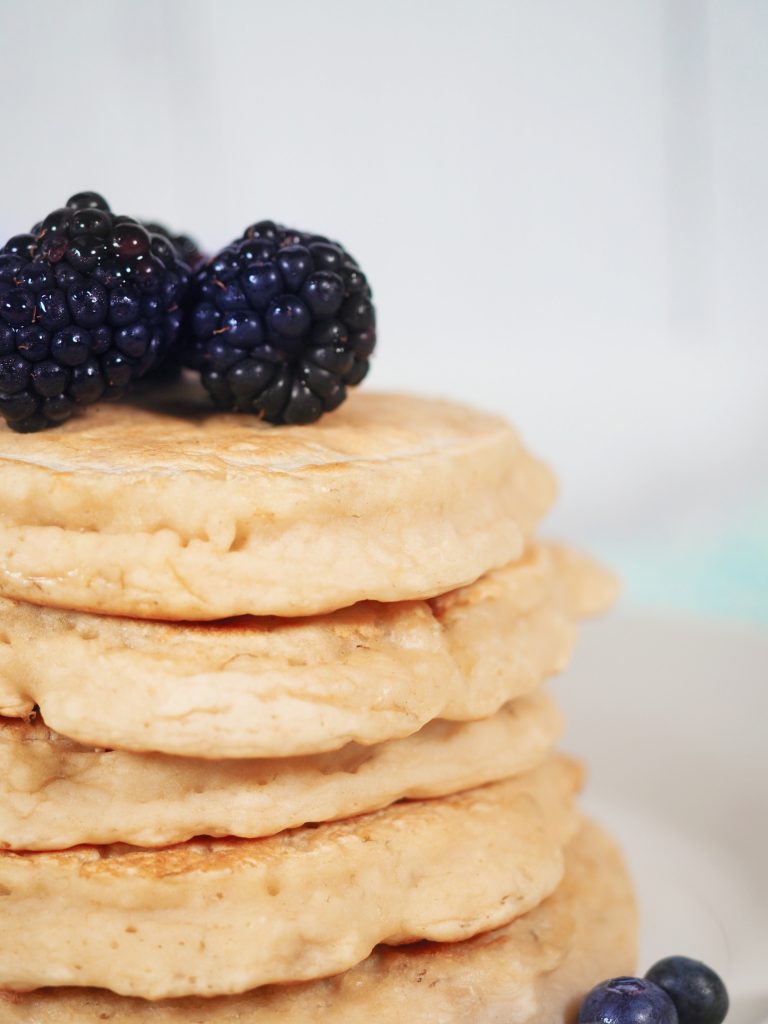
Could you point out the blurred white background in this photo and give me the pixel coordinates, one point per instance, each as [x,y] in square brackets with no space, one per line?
[562,208]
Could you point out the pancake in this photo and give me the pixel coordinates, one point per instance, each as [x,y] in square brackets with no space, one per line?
[55,793]
[535,970]
[162,508]
[220,917]
[276,688]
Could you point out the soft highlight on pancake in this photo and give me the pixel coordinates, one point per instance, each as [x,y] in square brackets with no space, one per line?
[275,688]
[535,970]
[55,793]
[223,916]
[166,509]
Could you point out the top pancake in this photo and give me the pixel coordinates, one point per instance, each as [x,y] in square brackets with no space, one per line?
[164,509]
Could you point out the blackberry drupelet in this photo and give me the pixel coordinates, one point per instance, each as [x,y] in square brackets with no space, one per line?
[186,247]
[281,323]
[89,302]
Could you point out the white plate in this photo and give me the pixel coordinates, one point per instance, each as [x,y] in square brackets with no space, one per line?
[671,715]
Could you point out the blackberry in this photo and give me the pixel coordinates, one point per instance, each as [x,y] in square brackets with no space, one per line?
[280,324]
[89,302]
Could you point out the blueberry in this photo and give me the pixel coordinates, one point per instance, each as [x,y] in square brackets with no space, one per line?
[627,1001]
[699,994]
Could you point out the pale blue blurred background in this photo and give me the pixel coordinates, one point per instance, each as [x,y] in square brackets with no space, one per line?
[563,208]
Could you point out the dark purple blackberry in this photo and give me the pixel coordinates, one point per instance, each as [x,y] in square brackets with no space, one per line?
[185,246]
[280,324]
[89,302]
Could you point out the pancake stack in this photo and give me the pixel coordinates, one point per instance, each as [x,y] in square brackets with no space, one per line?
[275,741]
